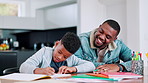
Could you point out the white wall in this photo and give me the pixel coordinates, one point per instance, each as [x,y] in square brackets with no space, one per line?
[90,15]
[13,22]
[40,4]
[143,25]
[137,15]
[93,13]
[1,22]
[143,28]
[61,17]
[117,11]
[133,39]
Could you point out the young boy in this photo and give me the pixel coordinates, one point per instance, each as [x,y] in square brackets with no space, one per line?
[59,59]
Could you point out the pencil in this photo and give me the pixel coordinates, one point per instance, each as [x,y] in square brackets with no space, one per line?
[96,70]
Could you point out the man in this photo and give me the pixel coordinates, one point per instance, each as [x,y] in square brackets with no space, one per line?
[102,47]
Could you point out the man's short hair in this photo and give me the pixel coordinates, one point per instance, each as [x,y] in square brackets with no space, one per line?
[114,24]
[71,42]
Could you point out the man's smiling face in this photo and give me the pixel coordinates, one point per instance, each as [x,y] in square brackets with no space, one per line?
[104,35]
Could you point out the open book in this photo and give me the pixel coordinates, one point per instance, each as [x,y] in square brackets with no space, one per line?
[30,77]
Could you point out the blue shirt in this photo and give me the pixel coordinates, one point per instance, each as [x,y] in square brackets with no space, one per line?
[114,56]
[56,65]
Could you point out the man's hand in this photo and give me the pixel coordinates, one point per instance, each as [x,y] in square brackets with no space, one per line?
[65,69]
[47,71]
[107,68]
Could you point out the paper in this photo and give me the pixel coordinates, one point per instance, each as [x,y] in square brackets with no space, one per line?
[82,80]
[30,77]
[47,81]
[59,75]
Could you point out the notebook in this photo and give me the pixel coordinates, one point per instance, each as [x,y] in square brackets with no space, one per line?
[116,75]
[122,75]
[30,77]
[98,75]
[84,76]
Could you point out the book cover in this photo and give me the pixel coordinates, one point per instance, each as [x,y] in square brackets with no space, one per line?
[98,75]
[122,74]
[84,76]
[116,75]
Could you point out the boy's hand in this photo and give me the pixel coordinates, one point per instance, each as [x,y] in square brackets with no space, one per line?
[47,71]
[65,69]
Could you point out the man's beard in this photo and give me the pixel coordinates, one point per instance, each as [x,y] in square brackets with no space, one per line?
[97,46]
[100,47]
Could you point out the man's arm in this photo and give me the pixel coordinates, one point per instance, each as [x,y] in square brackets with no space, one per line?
[92,58]
[126,57]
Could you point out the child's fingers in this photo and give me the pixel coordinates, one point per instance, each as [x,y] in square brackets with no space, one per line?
[67,71]
[50,71]
[62,69]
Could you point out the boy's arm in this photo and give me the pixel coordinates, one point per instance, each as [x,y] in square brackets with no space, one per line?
[81,65]
[32,63]
[46,71]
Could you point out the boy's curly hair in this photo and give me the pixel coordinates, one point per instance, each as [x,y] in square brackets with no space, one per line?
[71,42]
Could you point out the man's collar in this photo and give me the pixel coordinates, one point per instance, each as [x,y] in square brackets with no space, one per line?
[92,39]
[111,46]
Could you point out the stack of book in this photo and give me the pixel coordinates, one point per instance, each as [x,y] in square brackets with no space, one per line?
[110,76]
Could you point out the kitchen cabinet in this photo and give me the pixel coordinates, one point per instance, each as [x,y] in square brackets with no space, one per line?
[47,37]
[8,59]
[23,56]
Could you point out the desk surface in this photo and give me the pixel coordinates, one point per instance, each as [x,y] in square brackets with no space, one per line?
[141,80]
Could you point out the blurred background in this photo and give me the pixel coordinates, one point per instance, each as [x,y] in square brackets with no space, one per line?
[28,25]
